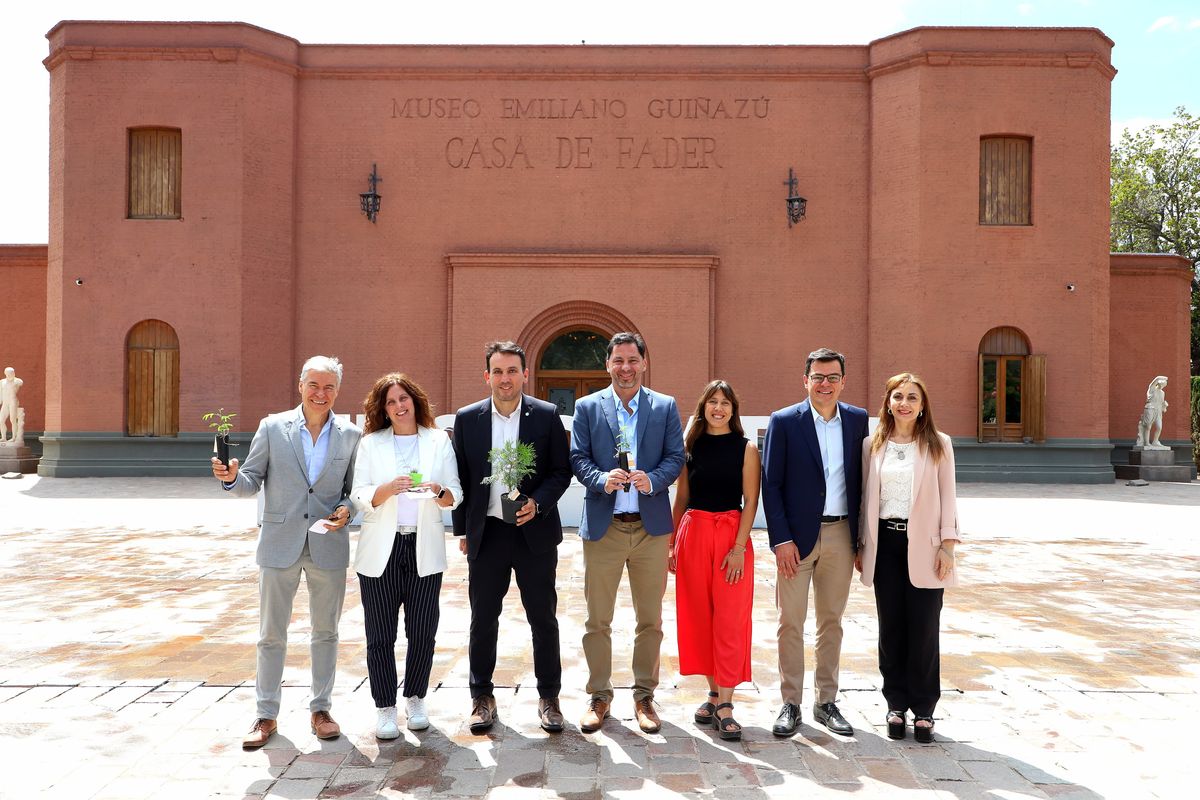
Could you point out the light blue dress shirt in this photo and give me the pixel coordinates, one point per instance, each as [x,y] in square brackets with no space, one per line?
[627,502]
[315,452]
[833,460]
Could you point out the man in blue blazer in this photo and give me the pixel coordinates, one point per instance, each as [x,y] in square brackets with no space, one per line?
[812,485]
[626,520]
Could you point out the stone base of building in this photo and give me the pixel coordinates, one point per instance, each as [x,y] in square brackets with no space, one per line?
[1154,465]
[17,459]
[1054,461]
[87,455]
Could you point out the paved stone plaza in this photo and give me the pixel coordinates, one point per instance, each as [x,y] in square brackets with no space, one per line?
[1070,667]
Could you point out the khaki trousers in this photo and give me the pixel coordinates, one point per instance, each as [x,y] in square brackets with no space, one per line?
[626,545]
[829,568]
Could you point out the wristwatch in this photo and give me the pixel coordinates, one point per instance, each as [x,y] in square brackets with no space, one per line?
[441,493]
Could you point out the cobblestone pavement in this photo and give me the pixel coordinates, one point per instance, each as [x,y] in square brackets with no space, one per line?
[128,617]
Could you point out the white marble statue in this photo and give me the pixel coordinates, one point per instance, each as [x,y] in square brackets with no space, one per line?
[9,416]
[1150,425]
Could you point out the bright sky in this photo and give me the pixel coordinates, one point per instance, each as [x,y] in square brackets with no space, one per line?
[1157,49]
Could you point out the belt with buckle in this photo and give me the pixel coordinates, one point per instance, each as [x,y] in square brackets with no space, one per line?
[405,530]
[838,518]
[895,524]
[631,516]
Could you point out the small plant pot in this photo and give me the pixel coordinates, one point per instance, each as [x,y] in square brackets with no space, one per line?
[221,447]
[510,507]
[623,463]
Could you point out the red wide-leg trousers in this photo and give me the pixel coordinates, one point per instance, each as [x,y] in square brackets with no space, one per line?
[712,615]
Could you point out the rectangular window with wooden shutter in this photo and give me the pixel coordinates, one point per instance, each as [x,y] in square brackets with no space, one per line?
[1004,180]
[155,169]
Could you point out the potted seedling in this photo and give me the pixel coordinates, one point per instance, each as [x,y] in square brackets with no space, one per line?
[221,424]
[511,463]
[624,452]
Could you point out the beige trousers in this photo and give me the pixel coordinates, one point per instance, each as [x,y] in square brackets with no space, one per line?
[626,546]
[829,568]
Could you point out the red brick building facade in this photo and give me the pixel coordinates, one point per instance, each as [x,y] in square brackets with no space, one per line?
[206,232]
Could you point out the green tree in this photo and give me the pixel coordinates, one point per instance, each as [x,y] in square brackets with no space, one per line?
[1156,198]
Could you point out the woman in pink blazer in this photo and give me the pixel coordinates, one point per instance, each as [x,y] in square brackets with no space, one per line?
[909,530]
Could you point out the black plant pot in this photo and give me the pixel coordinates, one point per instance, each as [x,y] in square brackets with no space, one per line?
[221,447]
[623,463]
[510,507]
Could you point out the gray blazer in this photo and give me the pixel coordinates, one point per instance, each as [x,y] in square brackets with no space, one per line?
[276,461]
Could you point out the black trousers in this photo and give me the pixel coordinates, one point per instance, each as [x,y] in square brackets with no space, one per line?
[503,553]
[909,624]
[400,585]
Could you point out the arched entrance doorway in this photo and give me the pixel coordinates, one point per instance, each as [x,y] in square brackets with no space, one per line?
[152,379]
[1012,388]
[570,366]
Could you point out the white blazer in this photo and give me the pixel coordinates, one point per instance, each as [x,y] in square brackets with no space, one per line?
[375,464]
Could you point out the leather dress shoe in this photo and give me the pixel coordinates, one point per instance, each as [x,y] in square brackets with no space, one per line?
[259,733]
[593,718]
[828,715]
[324,726]
[483,714]
[787,721]
[550,715]
[647,717]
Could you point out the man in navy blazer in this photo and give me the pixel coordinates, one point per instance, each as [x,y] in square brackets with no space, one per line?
[626,520]
[496,549]
[812,485]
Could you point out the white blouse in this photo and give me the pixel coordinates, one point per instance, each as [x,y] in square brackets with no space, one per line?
[406,460]
[896,480]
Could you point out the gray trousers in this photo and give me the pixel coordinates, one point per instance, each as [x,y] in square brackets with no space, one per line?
[276,591]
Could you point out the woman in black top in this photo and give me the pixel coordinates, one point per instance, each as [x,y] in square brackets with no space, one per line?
[711,554]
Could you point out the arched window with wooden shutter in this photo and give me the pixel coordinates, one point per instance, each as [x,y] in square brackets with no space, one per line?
[152,379]
[1012,388]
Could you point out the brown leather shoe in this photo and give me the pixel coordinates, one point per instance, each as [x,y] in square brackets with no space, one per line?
[550,715]
[647,717]
[593,718]
[324,726]
[259,733]
[483,714]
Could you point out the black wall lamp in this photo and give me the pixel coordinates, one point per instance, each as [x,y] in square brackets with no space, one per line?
[369,201]
[795,203]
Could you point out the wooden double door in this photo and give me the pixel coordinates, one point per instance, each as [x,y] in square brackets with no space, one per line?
[564,387]
[1012,393]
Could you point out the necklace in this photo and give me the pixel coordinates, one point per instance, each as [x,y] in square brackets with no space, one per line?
[900,450]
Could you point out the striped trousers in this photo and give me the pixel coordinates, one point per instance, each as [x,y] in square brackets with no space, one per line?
[382,597]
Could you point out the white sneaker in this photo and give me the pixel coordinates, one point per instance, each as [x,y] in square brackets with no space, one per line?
[418,717]
[387,727]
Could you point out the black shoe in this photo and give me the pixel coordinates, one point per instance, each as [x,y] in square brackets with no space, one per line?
[923,733]
[828,715]
[787,721]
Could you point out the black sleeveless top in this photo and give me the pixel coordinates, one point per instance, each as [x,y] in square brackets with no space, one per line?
[714,471]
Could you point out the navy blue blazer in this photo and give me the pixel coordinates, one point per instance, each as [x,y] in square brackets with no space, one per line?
[659,438]
[541,427]
[793,488]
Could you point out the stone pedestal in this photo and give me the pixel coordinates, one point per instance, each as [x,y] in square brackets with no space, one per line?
[1153,465]
[17,459]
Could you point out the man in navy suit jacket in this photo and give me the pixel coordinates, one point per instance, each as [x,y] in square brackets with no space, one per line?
[496,549]
[812,485]
[626,520]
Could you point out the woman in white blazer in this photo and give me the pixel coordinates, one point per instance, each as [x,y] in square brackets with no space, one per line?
[909,531]
[405,473]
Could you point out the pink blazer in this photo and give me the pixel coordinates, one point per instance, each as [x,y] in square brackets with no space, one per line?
[932,517]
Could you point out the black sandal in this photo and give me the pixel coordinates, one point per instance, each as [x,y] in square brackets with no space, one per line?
[725,724]
[895,724]
[923,733]
[706,713]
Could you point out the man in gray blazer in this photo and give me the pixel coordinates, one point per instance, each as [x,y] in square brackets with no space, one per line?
[303,460]
[626,520]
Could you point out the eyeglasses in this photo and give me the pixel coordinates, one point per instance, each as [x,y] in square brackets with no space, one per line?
[817,377]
